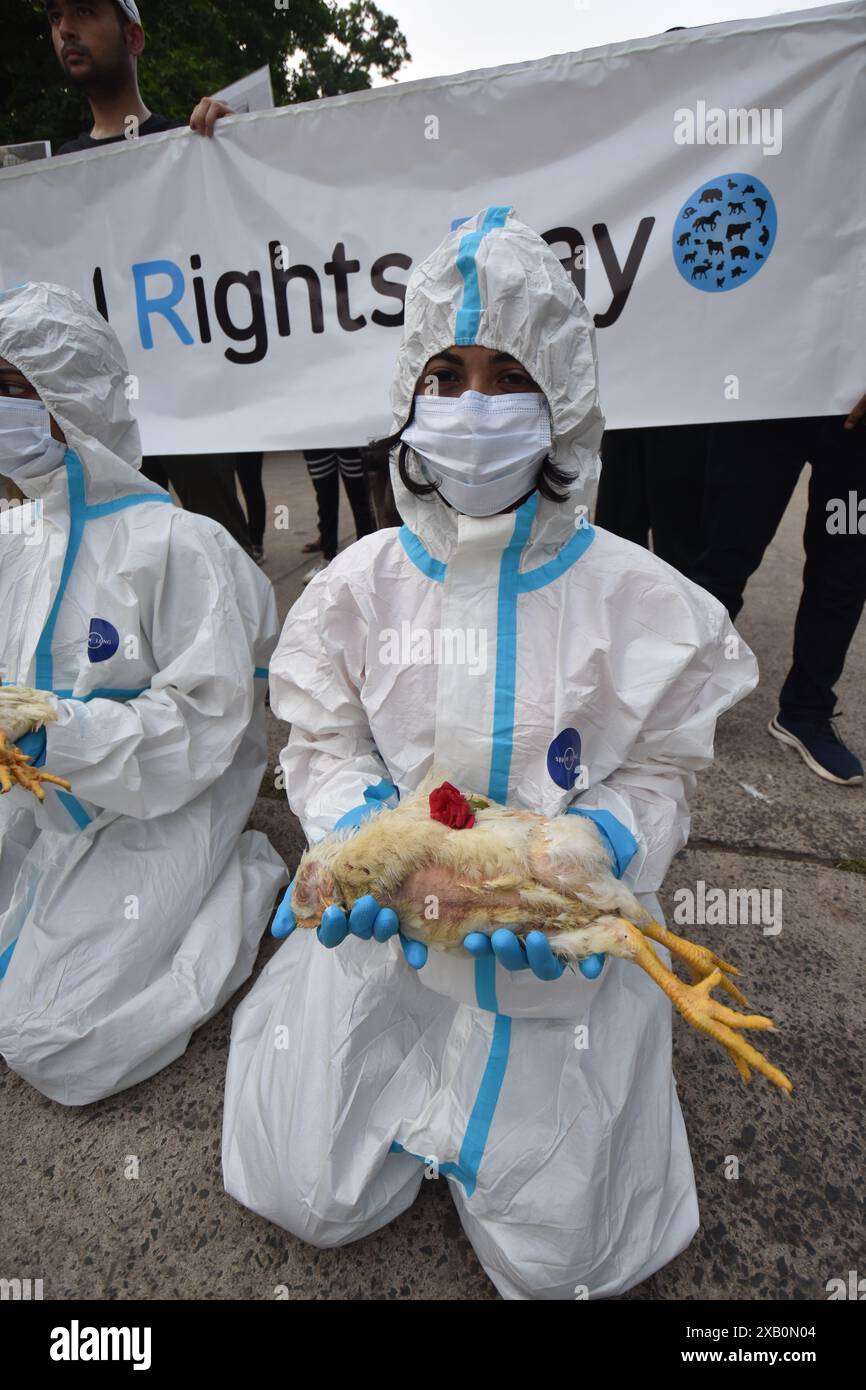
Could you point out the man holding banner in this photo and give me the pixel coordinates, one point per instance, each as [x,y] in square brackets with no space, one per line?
[98,52]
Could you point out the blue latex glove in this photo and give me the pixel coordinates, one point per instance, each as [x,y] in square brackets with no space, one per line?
[33,747]
[366,919]
[535,956]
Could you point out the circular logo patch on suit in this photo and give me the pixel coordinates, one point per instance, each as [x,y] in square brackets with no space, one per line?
[103,640]
[724,233]
[563,758]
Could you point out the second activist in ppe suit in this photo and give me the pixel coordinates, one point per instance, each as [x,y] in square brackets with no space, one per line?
[569,1164]
[132,907]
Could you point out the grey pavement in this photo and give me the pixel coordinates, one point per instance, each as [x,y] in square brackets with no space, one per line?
[780,1181]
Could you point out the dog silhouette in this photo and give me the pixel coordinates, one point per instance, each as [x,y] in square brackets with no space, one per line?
[736,207]
[689,257]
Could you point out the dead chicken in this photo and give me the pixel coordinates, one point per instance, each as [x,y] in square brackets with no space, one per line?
[508,868]
[23,711]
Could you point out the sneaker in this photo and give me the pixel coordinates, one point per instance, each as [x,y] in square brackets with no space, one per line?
[258,554]
[820,747]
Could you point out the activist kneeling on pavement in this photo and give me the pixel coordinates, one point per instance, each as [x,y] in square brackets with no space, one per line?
[568,1166]
[131,907]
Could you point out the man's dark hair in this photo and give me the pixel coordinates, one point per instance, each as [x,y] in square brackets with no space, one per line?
[549,480]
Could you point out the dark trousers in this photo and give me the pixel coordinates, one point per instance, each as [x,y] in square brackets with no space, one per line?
[326,467]
[205,483]
[652,480]
[752,470]
[249,471]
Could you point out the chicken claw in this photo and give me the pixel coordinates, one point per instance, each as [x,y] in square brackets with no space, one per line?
[15,768]
[700,959]
[697,1007]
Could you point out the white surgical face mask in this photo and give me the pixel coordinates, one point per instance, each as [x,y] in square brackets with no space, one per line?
[27,448]
[483,451]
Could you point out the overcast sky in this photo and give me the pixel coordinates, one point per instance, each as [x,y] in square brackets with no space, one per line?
[456,35]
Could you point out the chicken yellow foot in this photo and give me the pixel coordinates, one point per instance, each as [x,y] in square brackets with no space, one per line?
[695,1001]
[15,768]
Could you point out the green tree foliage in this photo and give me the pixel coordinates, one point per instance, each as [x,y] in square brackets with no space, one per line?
[314,48]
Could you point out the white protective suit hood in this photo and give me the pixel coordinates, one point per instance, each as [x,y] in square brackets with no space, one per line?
[75,361]
[493,282]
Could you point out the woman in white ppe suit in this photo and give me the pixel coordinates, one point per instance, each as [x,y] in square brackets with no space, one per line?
[131,908]
[351,1075]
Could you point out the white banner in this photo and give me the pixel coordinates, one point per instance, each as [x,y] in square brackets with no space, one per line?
[706,187]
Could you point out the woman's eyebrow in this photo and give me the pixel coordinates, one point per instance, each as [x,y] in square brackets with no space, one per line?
[453,357]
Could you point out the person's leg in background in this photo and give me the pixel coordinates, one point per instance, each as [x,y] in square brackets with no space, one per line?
[621,505]
[831,605]
[322,468]
[352,473]
[205,483]
[249,470]
[152,468]
[752,470]
[676,457]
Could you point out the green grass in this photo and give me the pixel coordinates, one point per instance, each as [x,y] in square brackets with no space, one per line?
[852,866]
[270,791]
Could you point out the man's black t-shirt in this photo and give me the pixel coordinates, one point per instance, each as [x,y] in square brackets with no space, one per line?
[151,126]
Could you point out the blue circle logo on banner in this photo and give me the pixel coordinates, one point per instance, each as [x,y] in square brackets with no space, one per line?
[563,758]
[725,232]
[103,640]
